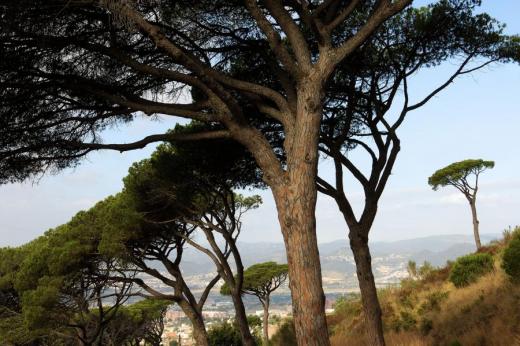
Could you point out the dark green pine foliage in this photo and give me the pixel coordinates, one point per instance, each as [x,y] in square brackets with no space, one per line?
[468,269]
[511,258]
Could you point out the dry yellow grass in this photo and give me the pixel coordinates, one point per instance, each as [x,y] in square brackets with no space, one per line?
[485,313]
[405,339]
[392,339]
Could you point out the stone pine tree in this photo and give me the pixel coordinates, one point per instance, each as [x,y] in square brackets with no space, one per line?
[71,68]
[371,99]
[12,326]
[64,286]
[167,202]
[263,73]
[261,280]
[56,290]
[182,193]
[464,176]
[138,323]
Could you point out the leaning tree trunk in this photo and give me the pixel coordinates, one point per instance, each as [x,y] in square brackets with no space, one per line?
[241,319]
[265,304]
[367,286]
[199,332]
[358,235]
[197,321]
[476,233]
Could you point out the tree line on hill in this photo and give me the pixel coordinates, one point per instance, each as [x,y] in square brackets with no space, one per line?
[72,283]
[278,83]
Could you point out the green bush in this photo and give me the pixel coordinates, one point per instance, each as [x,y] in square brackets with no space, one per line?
[433,302]
[224,334]
[228,334]
[511,260]
[406,321]
[347,307]
[425,270]
[285,336]
[467,269]
[510,234]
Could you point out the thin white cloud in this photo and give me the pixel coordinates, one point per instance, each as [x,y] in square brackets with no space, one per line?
[453,198]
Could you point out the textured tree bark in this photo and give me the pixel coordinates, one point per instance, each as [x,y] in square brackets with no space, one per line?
[199,329]
[296,205]
[305,280]
[476,233]
[200,335]
[266,321]
[367,286]
[241,319]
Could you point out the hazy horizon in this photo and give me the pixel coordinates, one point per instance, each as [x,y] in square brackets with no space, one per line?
[476,117]
[485,236]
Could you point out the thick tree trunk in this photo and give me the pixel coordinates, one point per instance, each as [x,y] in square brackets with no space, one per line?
[241,319]
[296,205]
[266,320]
[305,282]
[200,335]
[367,286]
[476,233]
[295,192]
[199,329]
[296,212]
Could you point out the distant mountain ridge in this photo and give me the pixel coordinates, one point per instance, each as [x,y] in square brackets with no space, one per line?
[389,259]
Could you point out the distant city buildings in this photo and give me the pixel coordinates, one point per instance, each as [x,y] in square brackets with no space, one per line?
[389,269]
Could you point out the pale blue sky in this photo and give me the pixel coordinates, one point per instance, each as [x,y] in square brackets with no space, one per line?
[477,117]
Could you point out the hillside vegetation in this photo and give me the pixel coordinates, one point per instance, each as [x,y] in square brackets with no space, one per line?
[481,308]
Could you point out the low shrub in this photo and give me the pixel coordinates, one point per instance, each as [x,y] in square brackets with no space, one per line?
[285,336]
[511,260]
[491,249]
[224,334]
[510,233]
[438,274]
[404,322]
[467,269]
[425,270]
[426,326]
[228,334]
[347,306]
[406,297]
[433,302]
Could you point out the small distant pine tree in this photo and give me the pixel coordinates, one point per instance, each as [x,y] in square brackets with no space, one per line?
[464,177]
[261,280]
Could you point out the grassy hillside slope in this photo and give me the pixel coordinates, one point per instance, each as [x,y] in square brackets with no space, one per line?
[430,310]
